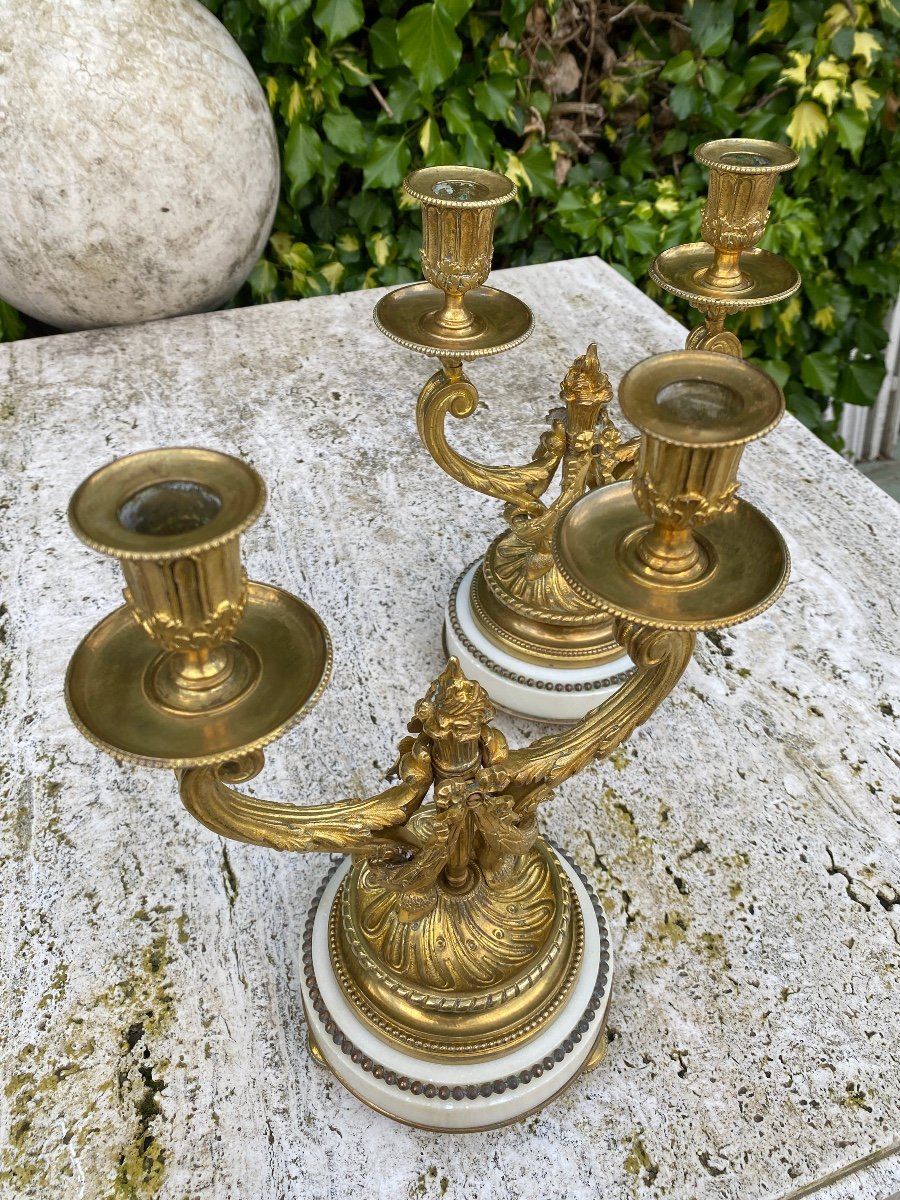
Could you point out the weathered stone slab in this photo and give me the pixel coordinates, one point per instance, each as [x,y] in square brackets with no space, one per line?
[745,842]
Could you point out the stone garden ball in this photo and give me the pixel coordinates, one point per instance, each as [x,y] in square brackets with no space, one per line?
[139,167]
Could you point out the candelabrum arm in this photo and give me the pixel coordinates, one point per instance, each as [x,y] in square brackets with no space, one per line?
[450,392]
[347,826]
[661,656]
[451,722]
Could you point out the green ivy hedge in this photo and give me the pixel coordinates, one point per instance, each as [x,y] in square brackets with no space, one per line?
[592,108]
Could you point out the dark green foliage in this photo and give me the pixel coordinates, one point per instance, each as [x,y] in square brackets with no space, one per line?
[592,108]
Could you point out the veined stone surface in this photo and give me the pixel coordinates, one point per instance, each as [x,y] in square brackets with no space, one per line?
[139,169]
[745,841]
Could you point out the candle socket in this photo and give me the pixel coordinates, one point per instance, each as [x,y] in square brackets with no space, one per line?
[457,239]
[161,515]
[696,412]
[742,176]
[201,663]
[726,273]
[452,315]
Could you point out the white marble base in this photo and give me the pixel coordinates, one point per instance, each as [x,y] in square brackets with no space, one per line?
[524,688]
[456,1096]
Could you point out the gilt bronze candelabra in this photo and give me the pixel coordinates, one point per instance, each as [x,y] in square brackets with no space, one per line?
[456,966]
[725,274]
[513,619]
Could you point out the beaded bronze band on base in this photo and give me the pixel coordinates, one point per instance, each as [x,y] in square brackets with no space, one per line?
[609,681]
[462,1090]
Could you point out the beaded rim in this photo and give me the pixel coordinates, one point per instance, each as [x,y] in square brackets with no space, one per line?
[461,1091]
[525,680]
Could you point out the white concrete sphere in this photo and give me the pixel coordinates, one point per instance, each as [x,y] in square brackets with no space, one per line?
[139,167]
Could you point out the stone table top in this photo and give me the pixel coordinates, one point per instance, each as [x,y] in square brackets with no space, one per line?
[744,842]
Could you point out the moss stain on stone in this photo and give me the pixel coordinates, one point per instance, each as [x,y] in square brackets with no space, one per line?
[673,927]
[33,1162]
[57,987]
[619,758]
[854,1097]
[638,1160]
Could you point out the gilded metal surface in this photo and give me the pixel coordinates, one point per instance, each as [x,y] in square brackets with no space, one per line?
[403,858]
[406,315]
[592,1022]
[110,701]
[479,974]
[746,565]
[766,278]
[519,599]
[635,551]
[725,273]
[455,933]
[451,873]
[521,602]
[200,664]
[453,314]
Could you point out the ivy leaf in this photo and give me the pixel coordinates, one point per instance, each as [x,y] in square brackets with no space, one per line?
[285,11]
[804,408]
[861,380]
[345,131]
[457,9]
[712,25]
[12,327]
[281,45]
[774,20]
[494,97]
[684,100]
[680,69]
[369,212]
[442,154]
[263,280]
[512,16]
[428,45]
[383,43]
[842,43]
[456,113]
[674,142]
[808,125]
[429,135]
[863,95]
[338,18]
[388,163]
[382,247]
[778,369]
[538,164]
[889,11]
[638,161]
[819,371]
[352,67]
[404,101]
[641,237]
[867,46]
[302,157]
[714,76]
[473,150]
[759,67]
[851,127]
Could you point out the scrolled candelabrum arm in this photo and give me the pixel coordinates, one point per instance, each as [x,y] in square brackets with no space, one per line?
[449,392]
[455,748]
[347,826]
[661,656]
